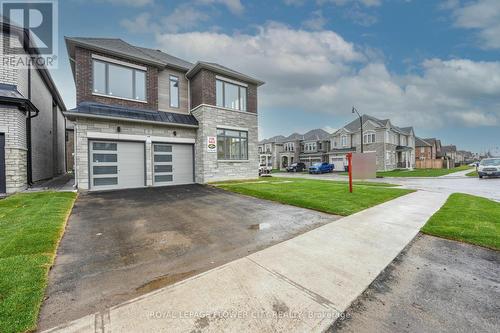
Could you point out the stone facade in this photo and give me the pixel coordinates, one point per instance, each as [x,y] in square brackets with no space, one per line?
[13,124]
[207,167]
[128,131]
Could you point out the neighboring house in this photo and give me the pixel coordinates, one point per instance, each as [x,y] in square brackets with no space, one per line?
[450,153]
[436,147]
[146,118]
[307,148]
[269,151]
[314,147]
[32,125]
[291,150]
[394,146]
[424,150]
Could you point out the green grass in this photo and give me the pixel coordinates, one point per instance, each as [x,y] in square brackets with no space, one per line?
[472,174]
[467,218]
[31,226]
[326,196]
[418,172]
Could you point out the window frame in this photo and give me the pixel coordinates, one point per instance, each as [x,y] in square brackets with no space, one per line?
[228,158]
[170,91]
[240,87]
[106,81]
[343,140]
[370,135]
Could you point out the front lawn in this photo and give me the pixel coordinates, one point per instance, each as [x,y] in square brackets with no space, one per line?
[327,196]
[472,174]
[469,219]
[421,172]
[31,226]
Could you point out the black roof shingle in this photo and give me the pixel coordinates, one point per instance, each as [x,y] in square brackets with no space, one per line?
[103,110]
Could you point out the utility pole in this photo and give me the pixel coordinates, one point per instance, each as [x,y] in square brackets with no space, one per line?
[360,123]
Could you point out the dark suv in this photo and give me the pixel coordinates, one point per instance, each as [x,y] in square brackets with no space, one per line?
[296,167]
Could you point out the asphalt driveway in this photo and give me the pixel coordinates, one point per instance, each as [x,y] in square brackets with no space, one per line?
[121,244]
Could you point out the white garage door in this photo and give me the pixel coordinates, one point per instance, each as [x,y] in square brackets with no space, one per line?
[172,164]
[115,165]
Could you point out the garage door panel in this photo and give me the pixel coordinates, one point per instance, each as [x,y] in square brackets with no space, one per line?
[173,164]
[115,165]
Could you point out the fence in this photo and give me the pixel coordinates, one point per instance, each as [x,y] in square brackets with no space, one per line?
[430,164]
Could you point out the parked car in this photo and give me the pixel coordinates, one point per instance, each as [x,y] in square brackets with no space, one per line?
[489,167]
[264,169]
[296,167]
[321,168]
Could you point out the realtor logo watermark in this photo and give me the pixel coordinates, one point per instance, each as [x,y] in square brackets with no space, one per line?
[34,33]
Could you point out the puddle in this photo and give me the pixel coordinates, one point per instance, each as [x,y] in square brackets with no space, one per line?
[169,239]
[163,281]
[260,226]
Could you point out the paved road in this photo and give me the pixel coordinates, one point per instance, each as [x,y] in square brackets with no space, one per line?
[457,182]
[435,285]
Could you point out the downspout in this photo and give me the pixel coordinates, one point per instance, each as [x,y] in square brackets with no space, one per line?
[29,162]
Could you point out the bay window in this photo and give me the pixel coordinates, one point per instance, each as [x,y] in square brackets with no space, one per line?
[232,144]
[230,95]
[119,81]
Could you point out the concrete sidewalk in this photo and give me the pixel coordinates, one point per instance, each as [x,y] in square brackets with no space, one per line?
[302,284]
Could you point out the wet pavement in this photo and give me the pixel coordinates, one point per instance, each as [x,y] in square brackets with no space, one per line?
[121,244]
[435,285]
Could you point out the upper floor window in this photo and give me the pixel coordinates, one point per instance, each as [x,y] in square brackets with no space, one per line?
[343,139]
[174,91]
[369,138]
[231,96]
[119,81]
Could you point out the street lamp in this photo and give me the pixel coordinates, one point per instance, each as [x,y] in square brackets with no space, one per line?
[361,123]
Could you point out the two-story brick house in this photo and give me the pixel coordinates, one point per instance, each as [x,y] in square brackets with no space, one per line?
[146,118]
[424,150]
[314,147]
[394,146]
[32,124]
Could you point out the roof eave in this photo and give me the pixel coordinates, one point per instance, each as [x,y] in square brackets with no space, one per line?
[74,115]
[199,66]
[74,42]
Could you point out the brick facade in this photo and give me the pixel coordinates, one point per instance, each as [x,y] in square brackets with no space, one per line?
[84,83]
[203,91]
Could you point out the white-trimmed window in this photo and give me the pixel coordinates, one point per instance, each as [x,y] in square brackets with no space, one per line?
[343,140]
[232,144]
[231,95]
[119,81]
[369,137]
[174,91]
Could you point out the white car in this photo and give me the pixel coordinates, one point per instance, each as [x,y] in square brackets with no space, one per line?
[264,169]
[489,167]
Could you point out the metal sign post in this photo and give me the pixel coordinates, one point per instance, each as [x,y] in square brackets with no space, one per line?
[349,166]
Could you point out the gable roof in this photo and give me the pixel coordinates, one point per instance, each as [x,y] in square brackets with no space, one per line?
[354,125]
[274,139]
[316,134]
[419,142]
[223,70]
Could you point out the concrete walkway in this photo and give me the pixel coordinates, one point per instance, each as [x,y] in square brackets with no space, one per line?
[300,285]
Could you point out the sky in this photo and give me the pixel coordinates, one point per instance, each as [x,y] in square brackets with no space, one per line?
[430,64]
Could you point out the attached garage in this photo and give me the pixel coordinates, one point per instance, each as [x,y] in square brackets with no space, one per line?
[122,164]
